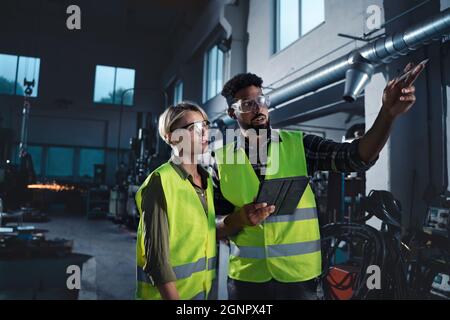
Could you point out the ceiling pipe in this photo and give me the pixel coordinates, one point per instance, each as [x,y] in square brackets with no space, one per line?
[358,66]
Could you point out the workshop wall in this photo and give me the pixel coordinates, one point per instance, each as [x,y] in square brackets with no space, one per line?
[67,75]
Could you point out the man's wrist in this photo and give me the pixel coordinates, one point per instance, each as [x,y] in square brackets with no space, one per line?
[386,114]
[235,220]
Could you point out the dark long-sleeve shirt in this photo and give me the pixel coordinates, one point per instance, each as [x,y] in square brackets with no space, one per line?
[321,155]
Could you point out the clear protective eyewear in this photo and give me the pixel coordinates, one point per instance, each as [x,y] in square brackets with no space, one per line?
[197,126]
[249,105]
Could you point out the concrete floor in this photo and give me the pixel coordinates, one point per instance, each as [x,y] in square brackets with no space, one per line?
[111,272]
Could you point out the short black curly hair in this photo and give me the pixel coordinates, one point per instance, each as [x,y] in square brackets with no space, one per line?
[238,82]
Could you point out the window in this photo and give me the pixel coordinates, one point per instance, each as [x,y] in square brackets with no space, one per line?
[295,18]
[89,158]
[8,67]
[14,70]
[111,82]
[178,92]
[213,73]
[60,162]
[36,155]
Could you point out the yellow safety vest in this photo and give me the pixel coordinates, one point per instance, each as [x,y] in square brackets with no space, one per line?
[285,247]
[192,238]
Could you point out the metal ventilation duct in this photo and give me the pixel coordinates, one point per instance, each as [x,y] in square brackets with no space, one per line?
[358,66]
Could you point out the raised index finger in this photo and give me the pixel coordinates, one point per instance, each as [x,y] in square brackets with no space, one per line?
[414,75]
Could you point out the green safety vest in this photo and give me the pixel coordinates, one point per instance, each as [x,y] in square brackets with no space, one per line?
[192,238]
[284,247]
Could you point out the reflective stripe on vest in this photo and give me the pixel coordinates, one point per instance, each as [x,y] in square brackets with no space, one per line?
[183,271]
[142,276]
[298,215]
[278,250]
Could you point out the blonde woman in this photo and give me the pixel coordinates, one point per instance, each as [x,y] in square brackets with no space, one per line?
[176,240]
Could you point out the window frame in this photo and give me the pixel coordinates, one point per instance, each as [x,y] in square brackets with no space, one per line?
[207,82]
[276,48]
[114,89]
[73,164]
[44,160]
[79,164]
[176,92]
[35,89]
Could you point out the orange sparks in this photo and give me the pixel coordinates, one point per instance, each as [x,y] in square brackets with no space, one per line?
[54,187]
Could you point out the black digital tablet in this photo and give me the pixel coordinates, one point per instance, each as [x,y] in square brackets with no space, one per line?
[284,193]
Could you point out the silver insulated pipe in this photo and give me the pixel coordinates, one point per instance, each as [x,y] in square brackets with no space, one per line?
[358,66]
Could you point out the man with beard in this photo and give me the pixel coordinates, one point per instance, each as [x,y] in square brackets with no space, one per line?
[280,258]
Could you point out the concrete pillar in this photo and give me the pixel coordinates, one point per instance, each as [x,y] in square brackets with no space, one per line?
[236,13]
[448,135]
[378,177]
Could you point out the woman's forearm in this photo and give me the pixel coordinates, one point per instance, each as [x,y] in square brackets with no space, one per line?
[168,291]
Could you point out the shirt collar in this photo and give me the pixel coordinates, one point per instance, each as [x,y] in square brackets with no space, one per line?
[184,174]
[274,136]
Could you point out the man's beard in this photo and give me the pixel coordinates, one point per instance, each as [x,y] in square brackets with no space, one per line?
[257,127]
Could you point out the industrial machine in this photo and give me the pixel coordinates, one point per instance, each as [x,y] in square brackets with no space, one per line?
[437,222]
[441,286]
[143,158]
[14,180]
[437,228]
[415,265]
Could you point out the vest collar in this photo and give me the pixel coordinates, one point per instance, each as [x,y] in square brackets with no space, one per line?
[185,175]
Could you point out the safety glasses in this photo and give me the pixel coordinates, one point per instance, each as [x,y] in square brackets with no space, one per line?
[249,105]
[197,126]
